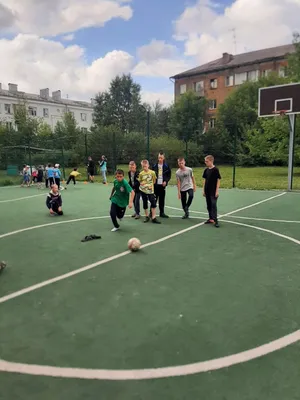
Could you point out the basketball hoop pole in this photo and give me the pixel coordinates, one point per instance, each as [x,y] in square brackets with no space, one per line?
[292,123]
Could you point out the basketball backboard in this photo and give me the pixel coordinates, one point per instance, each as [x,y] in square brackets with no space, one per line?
[273,99]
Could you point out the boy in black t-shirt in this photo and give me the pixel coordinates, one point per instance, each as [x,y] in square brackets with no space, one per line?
[211,185]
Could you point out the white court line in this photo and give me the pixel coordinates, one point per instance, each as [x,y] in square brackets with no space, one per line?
[265,219]
[164,372]
[109,259]
[240,209]
[22,198]
[180,209]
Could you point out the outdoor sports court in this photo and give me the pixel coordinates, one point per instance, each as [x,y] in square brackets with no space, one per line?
[197,313]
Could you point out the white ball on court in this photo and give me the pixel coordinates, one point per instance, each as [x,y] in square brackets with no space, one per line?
[134,244]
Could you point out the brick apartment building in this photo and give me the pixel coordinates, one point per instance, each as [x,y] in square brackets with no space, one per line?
[216,79]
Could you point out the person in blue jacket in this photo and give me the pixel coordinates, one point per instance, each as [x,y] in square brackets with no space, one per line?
[163,174]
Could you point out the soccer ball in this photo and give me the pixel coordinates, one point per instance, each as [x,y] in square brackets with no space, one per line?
[134,244]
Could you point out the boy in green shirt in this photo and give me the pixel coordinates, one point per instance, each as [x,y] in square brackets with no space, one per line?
[121,196]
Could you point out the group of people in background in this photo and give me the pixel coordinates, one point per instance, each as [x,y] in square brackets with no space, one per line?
[51,174]
[91,169]
[150,186]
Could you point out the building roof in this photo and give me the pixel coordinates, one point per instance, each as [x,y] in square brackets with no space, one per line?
[36,97]
[230,61]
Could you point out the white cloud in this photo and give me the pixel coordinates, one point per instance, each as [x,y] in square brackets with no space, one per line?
[69,38]
[54,17]
[166,98]
[34,63]
[163,68]
[156,49]
[258,24]
[159,59]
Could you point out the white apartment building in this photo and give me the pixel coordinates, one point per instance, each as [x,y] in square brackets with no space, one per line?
[48,108]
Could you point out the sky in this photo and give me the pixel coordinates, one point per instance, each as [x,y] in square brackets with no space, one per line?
[79,46]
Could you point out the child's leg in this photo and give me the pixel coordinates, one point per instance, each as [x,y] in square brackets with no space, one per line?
[183,200]
[190,199]
[74,180]
[69,179]
[113,215]
[120,212]
[214,214]
[152,200]
[145,203]
[209,206]
[136,200]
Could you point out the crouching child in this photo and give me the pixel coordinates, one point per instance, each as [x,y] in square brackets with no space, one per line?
[54,201]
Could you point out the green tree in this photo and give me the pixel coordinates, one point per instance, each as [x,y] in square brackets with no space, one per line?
[120,106]
[67,132]
[293,68]
[160,119]
[187,117]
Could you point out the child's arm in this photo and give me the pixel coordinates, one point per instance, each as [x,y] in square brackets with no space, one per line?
[132,194]
[218,187]
[154,178]
[194,183]
[178,187]
[48,202]
[204,181]
[112,193]
[168,174]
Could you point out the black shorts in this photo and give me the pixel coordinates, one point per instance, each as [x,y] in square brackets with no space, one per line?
[148,197]
[39,179]
[91,172]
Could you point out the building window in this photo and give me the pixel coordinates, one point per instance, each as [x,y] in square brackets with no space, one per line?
[266,72]
[229,80]
[32,111]
[45,112]
[83,117]
[240,78]
[282,72]
[213,83]
[7,108]
[252,75]
[9,125]
[212,104]
[182,89]
[199,86]
[212,123]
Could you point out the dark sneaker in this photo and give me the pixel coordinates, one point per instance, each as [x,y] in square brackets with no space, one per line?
[163,215]
[155,221]
[217,224]
[147,219]
[2,265]
[133,216]
[186,213]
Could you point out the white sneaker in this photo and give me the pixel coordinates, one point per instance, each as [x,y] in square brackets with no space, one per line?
[115,229]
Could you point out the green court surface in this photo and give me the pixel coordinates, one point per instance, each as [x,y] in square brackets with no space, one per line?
[218,306]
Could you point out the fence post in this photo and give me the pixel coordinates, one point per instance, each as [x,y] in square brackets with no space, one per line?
[234,157]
